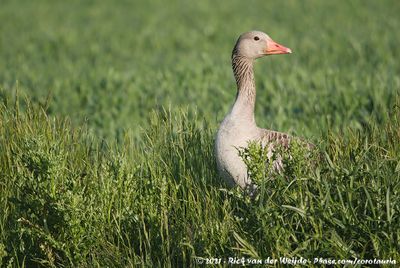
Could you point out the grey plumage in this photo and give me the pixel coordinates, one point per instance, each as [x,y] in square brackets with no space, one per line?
[239,126]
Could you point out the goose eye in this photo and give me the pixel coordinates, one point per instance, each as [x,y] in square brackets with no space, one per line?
[256,38]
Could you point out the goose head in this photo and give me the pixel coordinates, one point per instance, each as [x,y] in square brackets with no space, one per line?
[256,44]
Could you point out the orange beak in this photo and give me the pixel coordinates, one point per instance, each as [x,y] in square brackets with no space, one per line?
[275,48]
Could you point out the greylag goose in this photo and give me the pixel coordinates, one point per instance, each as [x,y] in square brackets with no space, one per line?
[239,126]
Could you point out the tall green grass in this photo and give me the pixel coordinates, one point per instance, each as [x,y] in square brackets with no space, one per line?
[70,200]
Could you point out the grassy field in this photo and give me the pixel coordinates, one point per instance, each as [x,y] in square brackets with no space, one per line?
[108,112]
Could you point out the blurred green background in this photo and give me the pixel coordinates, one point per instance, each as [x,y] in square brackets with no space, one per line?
[111,63]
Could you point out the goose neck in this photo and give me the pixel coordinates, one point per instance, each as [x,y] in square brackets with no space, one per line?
[246,89]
